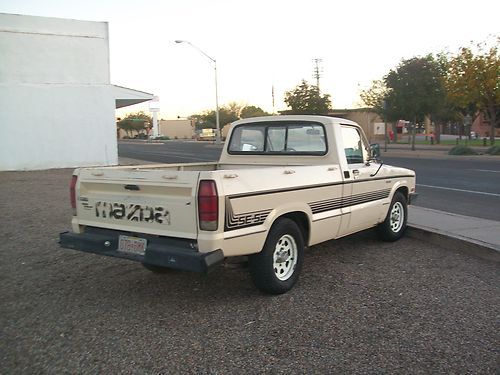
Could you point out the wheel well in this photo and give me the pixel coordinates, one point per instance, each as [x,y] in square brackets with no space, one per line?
[300,218]
[403,190]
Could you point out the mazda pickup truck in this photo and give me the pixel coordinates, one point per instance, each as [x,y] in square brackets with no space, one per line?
[282,184]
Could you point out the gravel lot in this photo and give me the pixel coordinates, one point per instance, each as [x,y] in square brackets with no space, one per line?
[361,306]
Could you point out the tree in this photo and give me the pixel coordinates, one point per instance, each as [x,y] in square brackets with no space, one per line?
[252,111]
[207,119]
[411,91]
[306,99]
[137,121]
[473,83]
[374,97]
[415,89]
[227,114]
[234,108]
[445,111]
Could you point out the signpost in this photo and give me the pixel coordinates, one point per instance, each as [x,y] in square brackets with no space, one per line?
[154,108]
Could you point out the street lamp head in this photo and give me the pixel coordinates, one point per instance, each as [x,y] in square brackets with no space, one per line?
[179,41]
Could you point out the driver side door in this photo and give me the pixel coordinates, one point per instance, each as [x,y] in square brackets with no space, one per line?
[364,189]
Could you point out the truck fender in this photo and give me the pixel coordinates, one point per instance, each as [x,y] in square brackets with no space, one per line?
[299,212]
[402,186]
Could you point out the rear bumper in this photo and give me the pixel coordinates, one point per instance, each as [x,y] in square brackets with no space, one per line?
[161,252]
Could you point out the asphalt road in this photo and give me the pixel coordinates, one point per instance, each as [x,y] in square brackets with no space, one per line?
[170,152]
[461,186]
[361,306]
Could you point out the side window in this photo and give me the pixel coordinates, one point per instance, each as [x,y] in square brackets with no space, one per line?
[248,139]
[353,145]
[276,137]
[307,138]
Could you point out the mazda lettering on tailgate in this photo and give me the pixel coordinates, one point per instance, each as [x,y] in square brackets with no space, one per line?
[132,212]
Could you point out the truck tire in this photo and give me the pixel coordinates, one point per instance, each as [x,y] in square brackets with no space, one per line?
[394,225]
[276,269]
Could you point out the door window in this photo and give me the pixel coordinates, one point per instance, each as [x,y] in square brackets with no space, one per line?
[354,149]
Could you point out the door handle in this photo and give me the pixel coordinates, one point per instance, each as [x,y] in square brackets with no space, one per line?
[132,187]
[355,172]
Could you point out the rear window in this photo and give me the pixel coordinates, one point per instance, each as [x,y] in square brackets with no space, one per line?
[278,138]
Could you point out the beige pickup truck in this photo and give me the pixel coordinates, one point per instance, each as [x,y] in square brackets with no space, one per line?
[282,183]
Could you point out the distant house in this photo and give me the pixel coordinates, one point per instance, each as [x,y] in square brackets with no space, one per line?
[177,129]
[482,127]
[367,118]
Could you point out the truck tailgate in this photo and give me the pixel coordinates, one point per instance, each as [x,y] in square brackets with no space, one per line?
[153,201]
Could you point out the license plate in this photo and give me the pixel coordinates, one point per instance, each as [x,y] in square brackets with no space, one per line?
[134,245]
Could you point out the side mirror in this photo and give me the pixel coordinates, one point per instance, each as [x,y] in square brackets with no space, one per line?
[375,150]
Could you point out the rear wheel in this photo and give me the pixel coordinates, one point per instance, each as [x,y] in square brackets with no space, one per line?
[394,225]
[276,268]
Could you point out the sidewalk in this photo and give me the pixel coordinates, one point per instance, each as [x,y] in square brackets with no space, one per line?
[456,232]
[431,152]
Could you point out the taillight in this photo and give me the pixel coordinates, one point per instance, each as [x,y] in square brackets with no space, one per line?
[208,205]
[72,193]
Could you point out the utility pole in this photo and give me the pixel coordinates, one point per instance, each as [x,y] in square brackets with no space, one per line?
[317,70]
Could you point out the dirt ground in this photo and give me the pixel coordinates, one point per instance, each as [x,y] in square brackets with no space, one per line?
[360,306]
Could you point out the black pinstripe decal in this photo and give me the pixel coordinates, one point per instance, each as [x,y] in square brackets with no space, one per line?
[284,190]
[336,203]
[250,219]
[243,220]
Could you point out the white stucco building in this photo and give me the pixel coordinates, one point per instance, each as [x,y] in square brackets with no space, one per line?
[57,106]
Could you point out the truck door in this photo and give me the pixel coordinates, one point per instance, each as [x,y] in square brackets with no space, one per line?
[364,190]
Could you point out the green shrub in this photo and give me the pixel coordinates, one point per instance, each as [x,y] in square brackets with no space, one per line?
[494,150]
[462,150]
[162,138]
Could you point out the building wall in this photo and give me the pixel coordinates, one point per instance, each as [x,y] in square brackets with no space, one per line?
[366,118]
[177,129]
[482,127]
[56,102]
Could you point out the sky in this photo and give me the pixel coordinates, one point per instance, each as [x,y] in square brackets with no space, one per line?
[261,44]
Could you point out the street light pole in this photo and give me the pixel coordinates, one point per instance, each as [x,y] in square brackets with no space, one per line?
[217,121]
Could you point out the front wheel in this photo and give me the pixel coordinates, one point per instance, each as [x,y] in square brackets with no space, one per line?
[394,225]
[275,270]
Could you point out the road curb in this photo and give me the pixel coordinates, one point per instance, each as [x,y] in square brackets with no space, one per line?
[454,243]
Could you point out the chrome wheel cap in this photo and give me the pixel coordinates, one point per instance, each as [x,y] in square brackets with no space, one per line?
[285,257]
[397,217]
